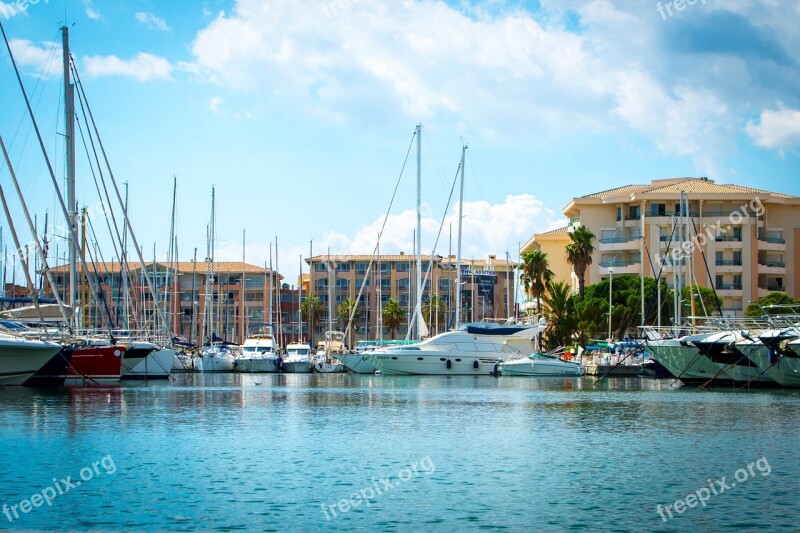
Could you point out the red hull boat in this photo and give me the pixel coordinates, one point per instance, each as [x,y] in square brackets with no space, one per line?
[99,364]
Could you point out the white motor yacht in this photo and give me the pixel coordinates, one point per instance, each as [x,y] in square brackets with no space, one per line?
[297,359]
[21,358]
[473,349]
[260,352]
[540,364]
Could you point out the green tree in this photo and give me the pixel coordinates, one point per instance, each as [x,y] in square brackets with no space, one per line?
[591,318]
[579,254]
[435,312]
[535,274]
[344,310]
[312,308]
[392,315]
[560,314]
[774,298]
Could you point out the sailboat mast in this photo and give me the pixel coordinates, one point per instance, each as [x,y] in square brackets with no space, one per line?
[419,231]
[458,245]
[300,303]
[69,122]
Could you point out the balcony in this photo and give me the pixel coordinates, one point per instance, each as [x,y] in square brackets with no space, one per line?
[619,243]
[728,241]
[619,267]
[729,290]
[772,243]
[771,267]
[728,265]
[770,287]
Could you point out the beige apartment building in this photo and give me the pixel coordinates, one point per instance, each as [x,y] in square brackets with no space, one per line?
[487,293]
[744,242]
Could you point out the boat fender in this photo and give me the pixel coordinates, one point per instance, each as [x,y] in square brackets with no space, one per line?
[475,364]
[449,364]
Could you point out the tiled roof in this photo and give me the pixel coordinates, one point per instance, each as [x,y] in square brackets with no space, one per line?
[624,190]
[184,267]
[698,186]
[689,185]
[557,231]
[404,257]
[365,257]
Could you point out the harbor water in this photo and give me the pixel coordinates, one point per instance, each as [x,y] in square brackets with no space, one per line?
[312,452]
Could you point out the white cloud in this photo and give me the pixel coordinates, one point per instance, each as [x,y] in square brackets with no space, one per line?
[151,21]
[43,58]
[214,103]
[91,12]
[777,130]
[142,67]
[488,229]
[506,75]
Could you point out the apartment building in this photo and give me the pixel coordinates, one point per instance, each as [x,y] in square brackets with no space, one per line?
[236,296]
[487,293]
[745,242]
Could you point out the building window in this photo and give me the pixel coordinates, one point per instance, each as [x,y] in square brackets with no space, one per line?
[633,212]
[343,267]
[658,210]
[402,266]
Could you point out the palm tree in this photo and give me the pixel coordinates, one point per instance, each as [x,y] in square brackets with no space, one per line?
[392,315]
[579,254]
[312,308]
[434,311]
[344,310]
[535,274]
[560,314]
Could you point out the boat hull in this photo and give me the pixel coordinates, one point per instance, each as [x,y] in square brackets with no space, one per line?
[258,364]
[98,364]
[358,363]
[297,367]
[215,363]
[422,363]
[157,365]
[21,359]
[54,372]
[527,367]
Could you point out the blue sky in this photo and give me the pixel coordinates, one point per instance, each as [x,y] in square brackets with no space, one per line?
[300,112]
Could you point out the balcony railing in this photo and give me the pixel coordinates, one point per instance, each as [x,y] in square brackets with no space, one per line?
[774,288]
[773,240]
[773,264]
[633,217]
[612,264]
[617,240]
[675,213]
[729,262]
[717,213]
[729,286]
[728,238]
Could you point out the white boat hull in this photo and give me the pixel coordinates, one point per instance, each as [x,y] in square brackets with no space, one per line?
[258,364]
[358,363]
[22,358]
[215,363]
[530,367]
[434,363]
[182,362]
[302,366]
[157,365]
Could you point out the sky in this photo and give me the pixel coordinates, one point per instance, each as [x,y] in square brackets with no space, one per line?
[300,114]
